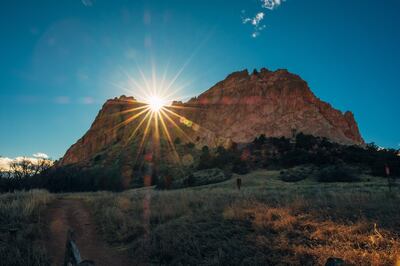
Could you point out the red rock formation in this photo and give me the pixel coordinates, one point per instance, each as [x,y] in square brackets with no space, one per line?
[275,103]
[238,109]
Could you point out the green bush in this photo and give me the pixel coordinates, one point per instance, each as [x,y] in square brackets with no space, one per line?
[295,174]
[292,177]
[240,167]
[198,178]
[337,173]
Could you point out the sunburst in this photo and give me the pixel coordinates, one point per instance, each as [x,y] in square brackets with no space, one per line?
[153,115]
[156,103]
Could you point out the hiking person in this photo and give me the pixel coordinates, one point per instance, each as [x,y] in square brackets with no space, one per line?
[238,183]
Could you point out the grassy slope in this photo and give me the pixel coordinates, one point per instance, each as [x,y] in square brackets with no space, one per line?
[268,222]
[20,228]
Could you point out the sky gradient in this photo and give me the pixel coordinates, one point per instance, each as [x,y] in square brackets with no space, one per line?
[60,60]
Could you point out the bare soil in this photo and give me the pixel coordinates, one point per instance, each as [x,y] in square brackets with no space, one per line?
[64,214]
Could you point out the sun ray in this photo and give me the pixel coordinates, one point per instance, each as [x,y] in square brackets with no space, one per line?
[164,77]
[182,107]
[146,83]
[178,89]
[130,119]
[138,127]
[155,122]
[153,77]
[175,114]
[131,110]
[169,140]
[156,127]
[144,135]
[176,126]
[137,85]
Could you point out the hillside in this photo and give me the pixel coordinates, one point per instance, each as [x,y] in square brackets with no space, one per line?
[235,110]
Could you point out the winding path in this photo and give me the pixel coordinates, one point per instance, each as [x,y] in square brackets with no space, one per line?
[63,214]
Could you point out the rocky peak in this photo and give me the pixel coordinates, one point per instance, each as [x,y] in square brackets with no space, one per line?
[271,103]
[237,109]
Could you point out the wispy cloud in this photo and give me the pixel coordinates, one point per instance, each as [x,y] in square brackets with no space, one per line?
[87,3]
[86,100]
[62,100]
[271,4]
[257,20]
[40,155]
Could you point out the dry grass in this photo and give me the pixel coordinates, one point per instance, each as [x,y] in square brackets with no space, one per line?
[310,236]
[269,222]
[20,214]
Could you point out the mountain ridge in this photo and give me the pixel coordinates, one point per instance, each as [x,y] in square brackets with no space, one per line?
[236,109]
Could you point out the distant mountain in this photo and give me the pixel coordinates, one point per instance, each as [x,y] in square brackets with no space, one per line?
[237,109]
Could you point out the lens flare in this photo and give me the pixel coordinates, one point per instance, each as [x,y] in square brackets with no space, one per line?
[153,113]
[156,103]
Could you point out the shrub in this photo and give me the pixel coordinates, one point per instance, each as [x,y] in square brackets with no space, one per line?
[20,228]
[337,173]
[292,177]
[240,167]
[295,174]
[205,177]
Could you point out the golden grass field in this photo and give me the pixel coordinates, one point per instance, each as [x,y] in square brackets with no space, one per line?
[268,222]
[21,227]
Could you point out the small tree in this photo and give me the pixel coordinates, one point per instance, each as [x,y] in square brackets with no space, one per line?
[177,141]
[4,173]
[205,158]
[190,145]
[24,168]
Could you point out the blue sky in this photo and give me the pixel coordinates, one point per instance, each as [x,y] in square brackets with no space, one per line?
[60,60]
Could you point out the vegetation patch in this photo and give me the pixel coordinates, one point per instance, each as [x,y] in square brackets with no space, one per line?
[20,228]
[202,177]
[268,222]
[337,173]
[295,174]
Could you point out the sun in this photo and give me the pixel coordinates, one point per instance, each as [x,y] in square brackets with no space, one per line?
[155,116]
[156,103]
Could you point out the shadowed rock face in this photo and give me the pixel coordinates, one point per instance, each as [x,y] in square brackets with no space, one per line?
[237,109]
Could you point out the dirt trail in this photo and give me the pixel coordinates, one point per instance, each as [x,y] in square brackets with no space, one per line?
[68,213]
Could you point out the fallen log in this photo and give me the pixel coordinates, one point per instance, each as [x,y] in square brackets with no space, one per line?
[72,255]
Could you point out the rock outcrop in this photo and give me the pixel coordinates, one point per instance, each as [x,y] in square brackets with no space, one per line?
[277,103]
[237,109]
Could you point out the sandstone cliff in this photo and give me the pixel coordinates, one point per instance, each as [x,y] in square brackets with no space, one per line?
[237,109]
[272,103]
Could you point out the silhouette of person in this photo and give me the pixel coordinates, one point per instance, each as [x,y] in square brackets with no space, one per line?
[387,170]
[238,183]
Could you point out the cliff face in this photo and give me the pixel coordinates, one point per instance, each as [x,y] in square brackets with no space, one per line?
[272,103]
[111,129]
[238,109]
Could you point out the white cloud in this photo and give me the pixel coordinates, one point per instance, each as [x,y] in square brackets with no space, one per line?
[5,162]
[257,20]
[271,4]
[40,155]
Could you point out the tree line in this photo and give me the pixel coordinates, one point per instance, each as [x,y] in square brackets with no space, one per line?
[263,152]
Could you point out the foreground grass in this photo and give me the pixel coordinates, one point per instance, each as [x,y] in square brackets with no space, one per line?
[20,228]
[269,222]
